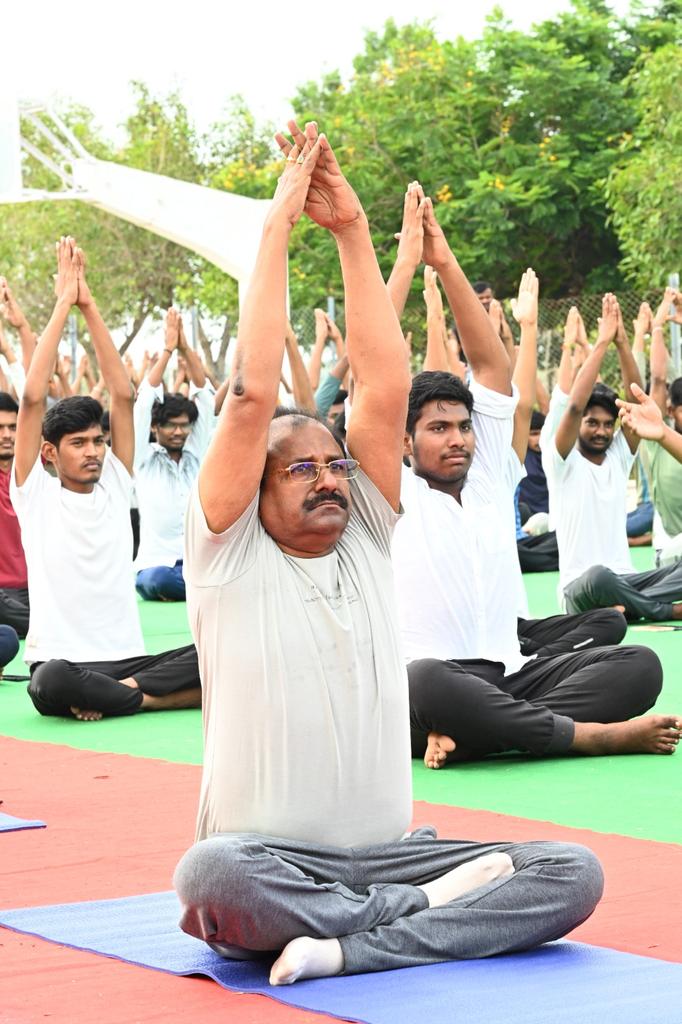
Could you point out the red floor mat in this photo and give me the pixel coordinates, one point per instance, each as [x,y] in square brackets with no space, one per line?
[117,826]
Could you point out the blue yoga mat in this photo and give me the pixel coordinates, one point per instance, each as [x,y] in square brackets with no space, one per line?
[8,823]
[560,983]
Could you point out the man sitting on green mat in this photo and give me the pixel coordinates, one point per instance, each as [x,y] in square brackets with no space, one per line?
[306,792]
[84,642]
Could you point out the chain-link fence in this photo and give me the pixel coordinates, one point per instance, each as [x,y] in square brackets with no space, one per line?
[551,319]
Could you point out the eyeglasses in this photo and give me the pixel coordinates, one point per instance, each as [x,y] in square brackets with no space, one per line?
[308,472]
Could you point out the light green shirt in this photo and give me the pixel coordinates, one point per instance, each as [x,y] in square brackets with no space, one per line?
[666,486]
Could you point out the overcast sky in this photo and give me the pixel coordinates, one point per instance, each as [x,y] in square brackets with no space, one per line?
[89,51]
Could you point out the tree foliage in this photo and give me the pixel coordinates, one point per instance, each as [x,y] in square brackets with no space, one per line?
[515,135]
[645,189]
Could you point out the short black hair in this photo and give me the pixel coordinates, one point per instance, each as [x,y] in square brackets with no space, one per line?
[675,392]
[537,420]
[172,406]
[605,398]
[7,403]
[481,286]
[70,416]
[435,386]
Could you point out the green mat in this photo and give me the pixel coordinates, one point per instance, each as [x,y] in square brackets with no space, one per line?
[634,795]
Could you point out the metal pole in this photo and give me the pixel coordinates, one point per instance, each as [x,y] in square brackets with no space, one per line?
[675,347]
[331,307]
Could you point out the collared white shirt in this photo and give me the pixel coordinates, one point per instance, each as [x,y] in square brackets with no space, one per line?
[162,485]
[456,566]
[587,504]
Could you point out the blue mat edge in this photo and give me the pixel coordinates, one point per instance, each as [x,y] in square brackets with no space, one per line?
[10,823]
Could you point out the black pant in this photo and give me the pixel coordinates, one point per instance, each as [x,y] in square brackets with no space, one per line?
[14,609]
[644,595]
[539,554]
[57,686]
[561,634]
[486,712]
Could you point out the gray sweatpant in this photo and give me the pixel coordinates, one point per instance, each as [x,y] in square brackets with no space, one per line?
[644,595]
[248,895]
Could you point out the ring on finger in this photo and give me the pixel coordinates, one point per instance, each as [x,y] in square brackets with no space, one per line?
[300,159]
[291,159]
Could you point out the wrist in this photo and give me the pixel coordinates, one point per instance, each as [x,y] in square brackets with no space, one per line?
[657,327]
[357,229]
[447,262]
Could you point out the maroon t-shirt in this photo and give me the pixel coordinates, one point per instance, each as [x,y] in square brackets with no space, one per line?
[13,573]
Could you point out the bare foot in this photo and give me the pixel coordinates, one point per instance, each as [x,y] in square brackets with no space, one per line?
[619,608]
[653,734]
[468,877]
[86,716]
[307,958]
[172,701]
[438,747]
[677,611]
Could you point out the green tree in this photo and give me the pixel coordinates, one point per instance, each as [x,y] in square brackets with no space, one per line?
[645,190]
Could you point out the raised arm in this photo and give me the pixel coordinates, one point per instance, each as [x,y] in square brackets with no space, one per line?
[586,378]
[483,348]
[32,406]
[629,373]
[644,418]
[303,392]
[658,354]
[374,342]
[321,336]
[410,244]
[436,357]
[642,330]
[111,366]
[14,315]
[14,367]
[195,368]
[525,310]
[233,467]
[170,344]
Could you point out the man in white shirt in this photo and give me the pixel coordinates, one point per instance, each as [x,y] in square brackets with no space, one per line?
[306,792]
[166,468]
[84,642]
[587,462]
[472,692]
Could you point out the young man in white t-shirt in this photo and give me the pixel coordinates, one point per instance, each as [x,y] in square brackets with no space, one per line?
[84,642]
[472,691]
[306,792]
[587,462]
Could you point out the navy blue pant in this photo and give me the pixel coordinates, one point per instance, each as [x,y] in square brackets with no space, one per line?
[9,645]
[161,583]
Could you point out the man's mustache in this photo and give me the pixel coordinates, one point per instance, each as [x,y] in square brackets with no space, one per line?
[320,499]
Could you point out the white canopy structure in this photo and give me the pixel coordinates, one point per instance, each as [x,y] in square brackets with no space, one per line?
[223,227]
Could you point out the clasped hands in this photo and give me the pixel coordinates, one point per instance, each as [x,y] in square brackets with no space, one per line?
[312,182]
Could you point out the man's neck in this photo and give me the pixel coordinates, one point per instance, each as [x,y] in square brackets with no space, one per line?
[6,465]
[174,454]
[454,489]
[596,458]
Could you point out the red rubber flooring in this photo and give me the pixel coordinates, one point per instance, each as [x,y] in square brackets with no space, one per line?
[117,826]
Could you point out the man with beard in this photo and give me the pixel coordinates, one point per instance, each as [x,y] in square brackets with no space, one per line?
[472,691]
[587,462]
[84,642]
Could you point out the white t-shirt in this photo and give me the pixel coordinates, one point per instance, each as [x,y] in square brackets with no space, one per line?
[305,701]
[162,485]
[456,566]
[79,557]
[587,502]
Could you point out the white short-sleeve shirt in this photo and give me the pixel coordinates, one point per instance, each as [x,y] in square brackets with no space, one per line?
[79,551]
[588,503]
[456,566]
[305,702]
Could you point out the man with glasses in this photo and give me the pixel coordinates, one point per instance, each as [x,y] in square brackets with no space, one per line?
[166,468]
[306,792]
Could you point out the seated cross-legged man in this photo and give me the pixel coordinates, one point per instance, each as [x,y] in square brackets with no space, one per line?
[84,643]
[14,606]
[306,793]
[588,461]
[166,468]
[472,691]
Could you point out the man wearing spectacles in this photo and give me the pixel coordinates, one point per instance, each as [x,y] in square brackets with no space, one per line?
[166,468]
[306,791]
